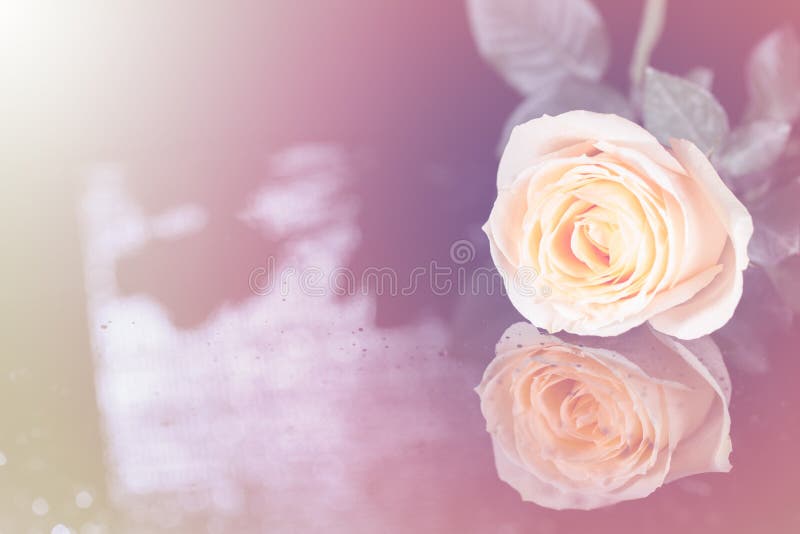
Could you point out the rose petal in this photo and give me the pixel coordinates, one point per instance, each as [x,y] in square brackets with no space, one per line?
[710,308]
[698,250]
[709,447]
[713,306]
[532,489]
[536,138]
[729,210]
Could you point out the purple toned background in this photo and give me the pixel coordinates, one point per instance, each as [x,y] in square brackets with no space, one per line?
[200,107]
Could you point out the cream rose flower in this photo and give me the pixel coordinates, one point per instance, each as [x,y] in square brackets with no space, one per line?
[617,229]
[574,426]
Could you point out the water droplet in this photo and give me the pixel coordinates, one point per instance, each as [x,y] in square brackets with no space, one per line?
[40,506]
[93,528]
[3,459]
[60,529]
[83,499]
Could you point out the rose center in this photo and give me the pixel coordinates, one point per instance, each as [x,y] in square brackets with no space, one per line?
[596,239]
[584,415]
[599,234]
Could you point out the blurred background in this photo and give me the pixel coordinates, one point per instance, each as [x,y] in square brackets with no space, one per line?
[155,155]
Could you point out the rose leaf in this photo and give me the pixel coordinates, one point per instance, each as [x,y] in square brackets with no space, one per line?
[532,43]
[753,147]
[702,76]
[773,77]
[776,225]
[784,276]
[675,107]
[761,316]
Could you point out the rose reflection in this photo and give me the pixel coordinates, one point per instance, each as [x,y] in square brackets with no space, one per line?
[273,405]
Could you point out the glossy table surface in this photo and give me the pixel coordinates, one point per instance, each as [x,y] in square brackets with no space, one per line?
[217,321]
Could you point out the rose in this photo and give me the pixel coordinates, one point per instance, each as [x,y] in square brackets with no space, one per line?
[619,229]
[580,427]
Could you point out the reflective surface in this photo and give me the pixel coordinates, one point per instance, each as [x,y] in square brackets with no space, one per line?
[223,307]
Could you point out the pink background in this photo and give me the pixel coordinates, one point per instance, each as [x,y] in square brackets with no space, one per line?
[141,367]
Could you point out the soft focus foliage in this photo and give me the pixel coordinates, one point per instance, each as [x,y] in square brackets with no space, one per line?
[761,318]
[677,108]
[773,77]
[777,225]
[702,76]
[753,146]
[785,277]
[534,43]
